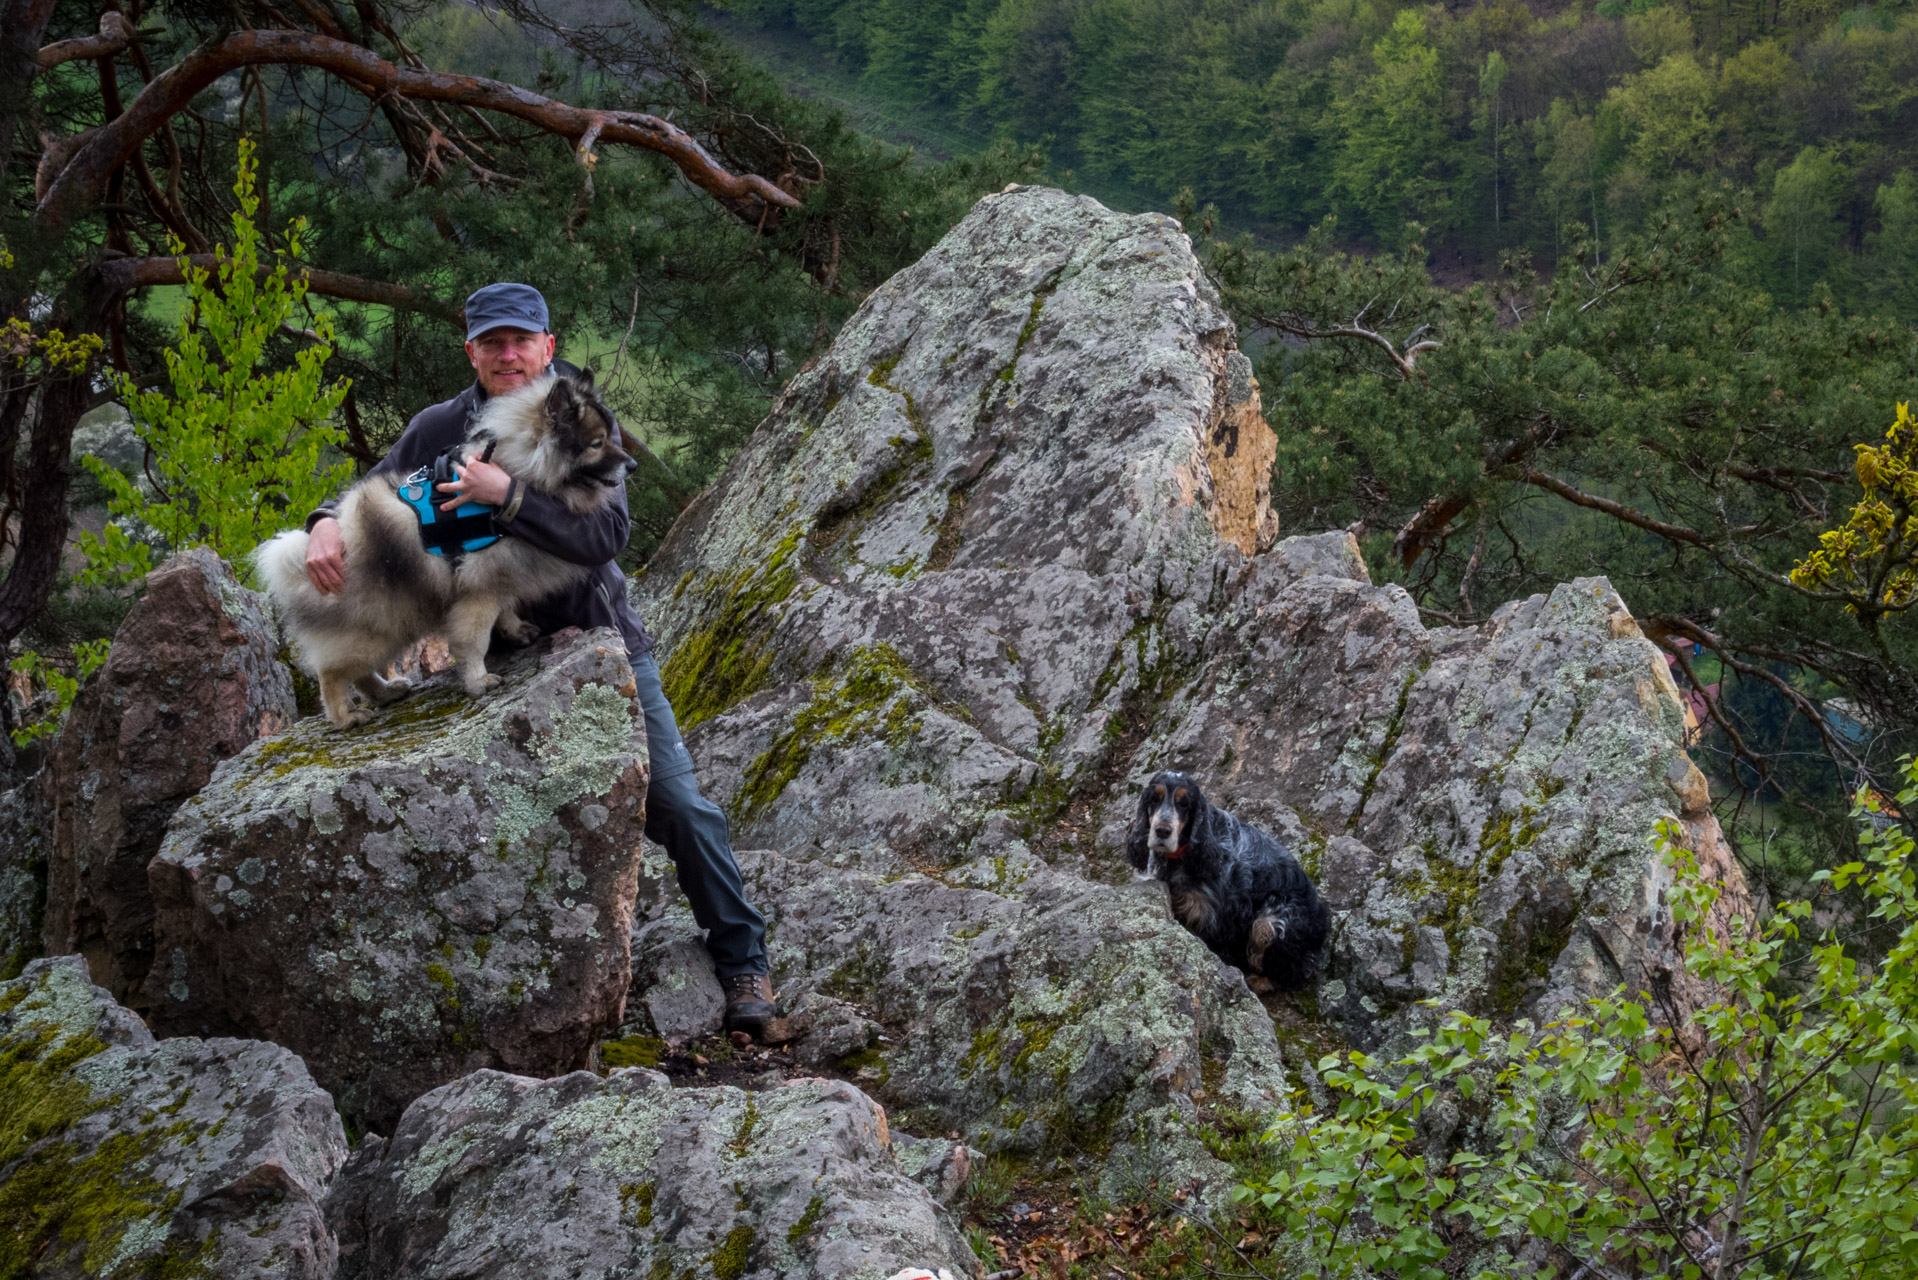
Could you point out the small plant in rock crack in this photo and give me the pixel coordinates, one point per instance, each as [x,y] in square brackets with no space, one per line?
[1773,1134]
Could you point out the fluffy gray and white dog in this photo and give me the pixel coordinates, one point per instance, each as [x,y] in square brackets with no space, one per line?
[554,436]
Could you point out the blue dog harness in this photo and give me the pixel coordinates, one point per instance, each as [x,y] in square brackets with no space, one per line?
[467,527]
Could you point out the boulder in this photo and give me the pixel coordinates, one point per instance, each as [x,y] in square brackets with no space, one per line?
[502,1176]
[193,677]
[1478,804]
[124,1157]
[1004,551]
[1032,1011]
[446,889]
[674,986]
[26,819]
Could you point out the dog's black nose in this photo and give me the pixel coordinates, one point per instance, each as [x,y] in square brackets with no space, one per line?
[1162,831]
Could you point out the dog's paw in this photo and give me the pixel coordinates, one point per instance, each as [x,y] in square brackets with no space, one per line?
[1260,984]
[353,719]
[478,687]
[519,632]
[394,691]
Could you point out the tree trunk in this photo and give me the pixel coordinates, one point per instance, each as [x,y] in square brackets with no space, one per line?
[23,24]
[42,531]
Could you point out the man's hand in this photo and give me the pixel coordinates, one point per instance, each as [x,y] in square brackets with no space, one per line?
[478,482]
[326,557]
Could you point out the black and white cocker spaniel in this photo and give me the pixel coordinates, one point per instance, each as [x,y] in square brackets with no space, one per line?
[1233,885]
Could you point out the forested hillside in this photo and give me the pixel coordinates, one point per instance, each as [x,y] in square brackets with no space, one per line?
[1492,125]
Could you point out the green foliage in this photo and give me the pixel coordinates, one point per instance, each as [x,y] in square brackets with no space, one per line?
[1871,562]
[1770,1133]
[1456,117]
[60,689]
[237,451]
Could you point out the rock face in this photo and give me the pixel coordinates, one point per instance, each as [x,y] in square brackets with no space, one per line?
[26,819]
[1023,1006]
[1003,552]
[193,678]
[502,1176]
[123,1157]
[446,889]
[1478,804]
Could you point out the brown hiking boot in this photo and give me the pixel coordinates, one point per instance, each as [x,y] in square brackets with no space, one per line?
[749,1002]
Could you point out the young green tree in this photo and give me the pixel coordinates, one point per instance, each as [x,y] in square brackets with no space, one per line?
[1892,249]
[1801,219]
[237,451]
[1774,1134]
[1394,148]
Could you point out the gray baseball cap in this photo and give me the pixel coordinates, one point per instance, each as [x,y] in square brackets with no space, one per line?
[505,306]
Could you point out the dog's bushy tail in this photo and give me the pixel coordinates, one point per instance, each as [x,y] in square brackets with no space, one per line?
[280,565]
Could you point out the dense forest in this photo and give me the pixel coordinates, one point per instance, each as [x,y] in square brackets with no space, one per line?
[1490,125]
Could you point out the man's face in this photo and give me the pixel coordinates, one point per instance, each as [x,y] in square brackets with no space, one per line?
[507,359]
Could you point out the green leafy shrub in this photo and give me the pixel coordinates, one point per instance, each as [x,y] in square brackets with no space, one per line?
[235,452]
[59,688]
[1772,1134]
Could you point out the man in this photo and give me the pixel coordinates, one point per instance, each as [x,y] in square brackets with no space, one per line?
[509,346]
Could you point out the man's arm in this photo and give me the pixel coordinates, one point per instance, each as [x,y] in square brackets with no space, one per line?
[545,522]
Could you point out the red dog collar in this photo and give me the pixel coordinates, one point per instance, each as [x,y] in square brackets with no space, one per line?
[1179,852]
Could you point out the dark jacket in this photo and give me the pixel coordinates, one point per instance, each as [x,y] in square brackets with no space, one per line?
[597,600]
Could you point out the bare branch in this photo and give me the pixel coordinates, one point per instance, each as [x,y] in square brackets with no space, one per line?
[749,196]
[1616,510]
[124,274]
[116,33]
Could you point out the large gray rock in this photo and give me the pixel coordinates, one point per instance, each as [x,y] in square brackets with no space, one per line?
[590,1178]
[26,821]
[1032,1011]
[1004,551]
[446,889]
[1478,804]
[122,1157]
[193,677]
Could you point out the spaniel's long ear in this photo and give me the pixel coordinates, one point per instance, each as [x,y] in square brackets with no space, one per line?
[1135,850]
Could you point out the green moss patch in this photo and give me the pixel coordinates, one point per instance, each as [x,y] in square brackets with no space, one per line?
[730,1259]
[725,661]
[103,1207]
[815,1210]
[633,1051]
[637,1199]
[872,694]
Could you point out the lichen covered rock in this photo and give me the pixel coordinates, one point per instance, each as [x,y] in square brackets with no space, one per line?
[503,1176]
[193,677]
[922,593]
[26,820]
[446,889]
[1032,1011]
[122,1157]
[1477,803]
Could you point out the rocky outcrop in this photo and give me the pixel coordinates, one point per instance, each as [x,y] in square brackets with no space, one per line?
[26,819]
[1020,1005]
[1477,803]
[447,889]
[192,678]
[1000,554]
[502,1176]
[122,1157]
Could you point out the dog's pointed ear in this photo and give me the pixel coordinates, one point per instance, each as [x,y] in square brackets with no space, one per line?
[561,399]
[585,381]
